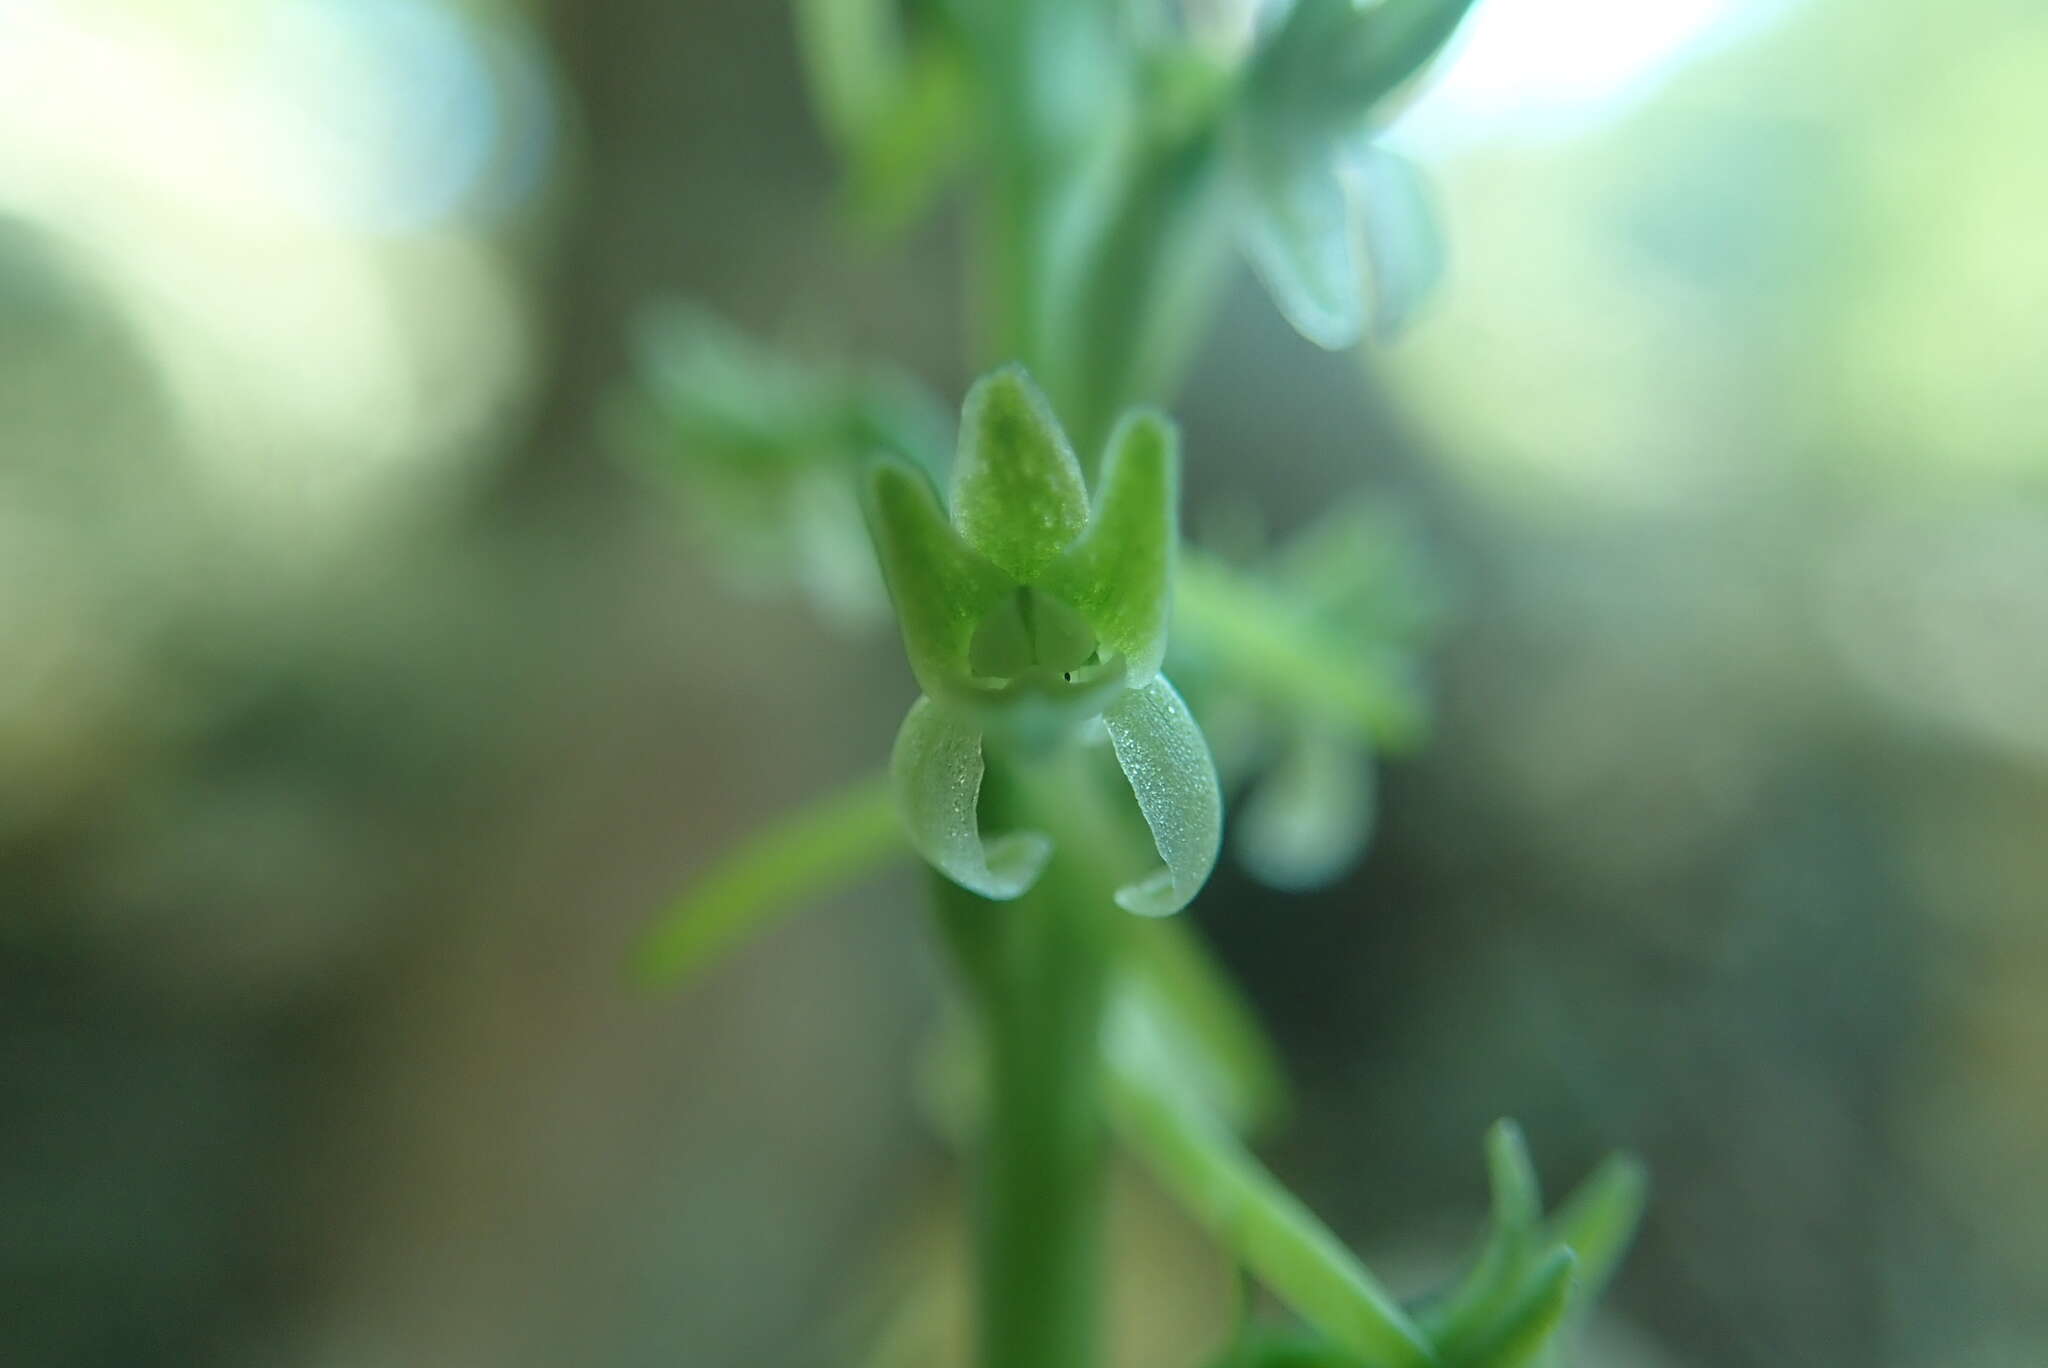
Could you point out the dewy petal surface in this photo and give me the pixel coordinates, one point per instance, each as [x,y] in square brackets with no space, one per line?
[936,769]
[1018,497]
[942,590]
[1120,573]
[1165,757]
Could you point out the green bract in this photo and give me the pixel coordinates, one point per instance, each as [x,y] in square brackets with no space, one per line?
[1027,615]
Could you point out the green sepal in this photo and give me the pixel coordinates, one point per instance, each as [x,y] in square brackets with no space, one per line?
[942,589]
[1257,636]
[1166,759]
[1017,495]
[935,771]
[1119,574]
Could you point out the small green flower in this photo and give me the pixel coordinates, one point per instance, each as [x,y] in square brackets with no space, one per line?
[1027,616]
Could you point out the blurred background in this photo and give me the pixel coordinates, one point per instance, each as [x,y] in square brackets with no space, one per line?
[357,707]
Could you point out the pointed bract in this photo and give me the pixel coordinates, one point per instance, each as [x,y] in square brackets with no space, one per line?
[1018,497]
[942,590]
[936,769]
[1167,761]
[1120,573]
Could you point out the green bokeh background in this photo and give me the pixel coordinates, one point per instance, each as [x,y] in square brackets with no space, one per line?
[357,708]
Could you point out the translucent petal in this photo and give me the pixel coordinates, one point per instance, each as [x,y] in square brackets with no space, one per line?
[1396,225]
[936,770]
[1120,573]
[1165,757]
[1018,497]
[1296,223]
[942,590]
[1307,822]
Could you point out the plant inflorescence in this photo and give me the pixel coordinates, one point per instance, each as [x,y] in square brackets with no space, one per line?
[1067,796]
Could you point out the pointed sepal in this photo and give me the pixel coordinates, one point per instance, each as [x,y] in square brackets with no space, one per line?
[1166,758]
[941,588]
[1119,575]
[1018,497]
[935,771]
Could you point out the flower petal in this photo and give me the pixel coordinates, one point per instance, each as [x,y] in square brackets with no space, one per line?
[1018,498]
[1164,755]
[1297,227]
[1396,225]
[936,769]
[1120,573]
[942,590]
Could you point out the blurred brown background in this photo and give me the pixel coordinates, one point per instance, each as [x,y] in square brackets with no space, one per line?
[356,708]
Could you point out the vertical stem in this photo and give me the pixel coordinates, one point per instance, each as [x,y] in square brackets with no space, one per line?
[1039,971]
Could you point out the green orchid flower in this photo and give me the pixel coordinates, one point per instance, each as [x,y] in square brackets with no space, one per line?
[1034,621]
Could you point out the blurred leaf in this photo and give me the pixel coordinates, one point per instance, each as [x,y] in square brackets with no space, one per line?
[1258,1222]
[1519,1334]
[764,449]
[1203,1027]
[1162,752]
[1462,1315]
[1525,1282]
[1258,639]
[916,140]
[853,57]
[826,844]
[1265,1347]
[1598,1222]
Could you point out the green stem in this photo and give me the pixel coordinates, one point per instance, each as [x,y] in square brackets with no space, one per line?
[1038,971]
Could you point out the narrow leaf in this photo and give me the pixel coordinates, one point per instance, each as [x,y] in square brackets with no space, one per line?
[1259,1223]
[1599,1220]
[1517,1200]
[1119,575]
[1018,497]
[1522,1329]
[1262,640]
[822,846]
[936,769]
[1163,754]
[942,590]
